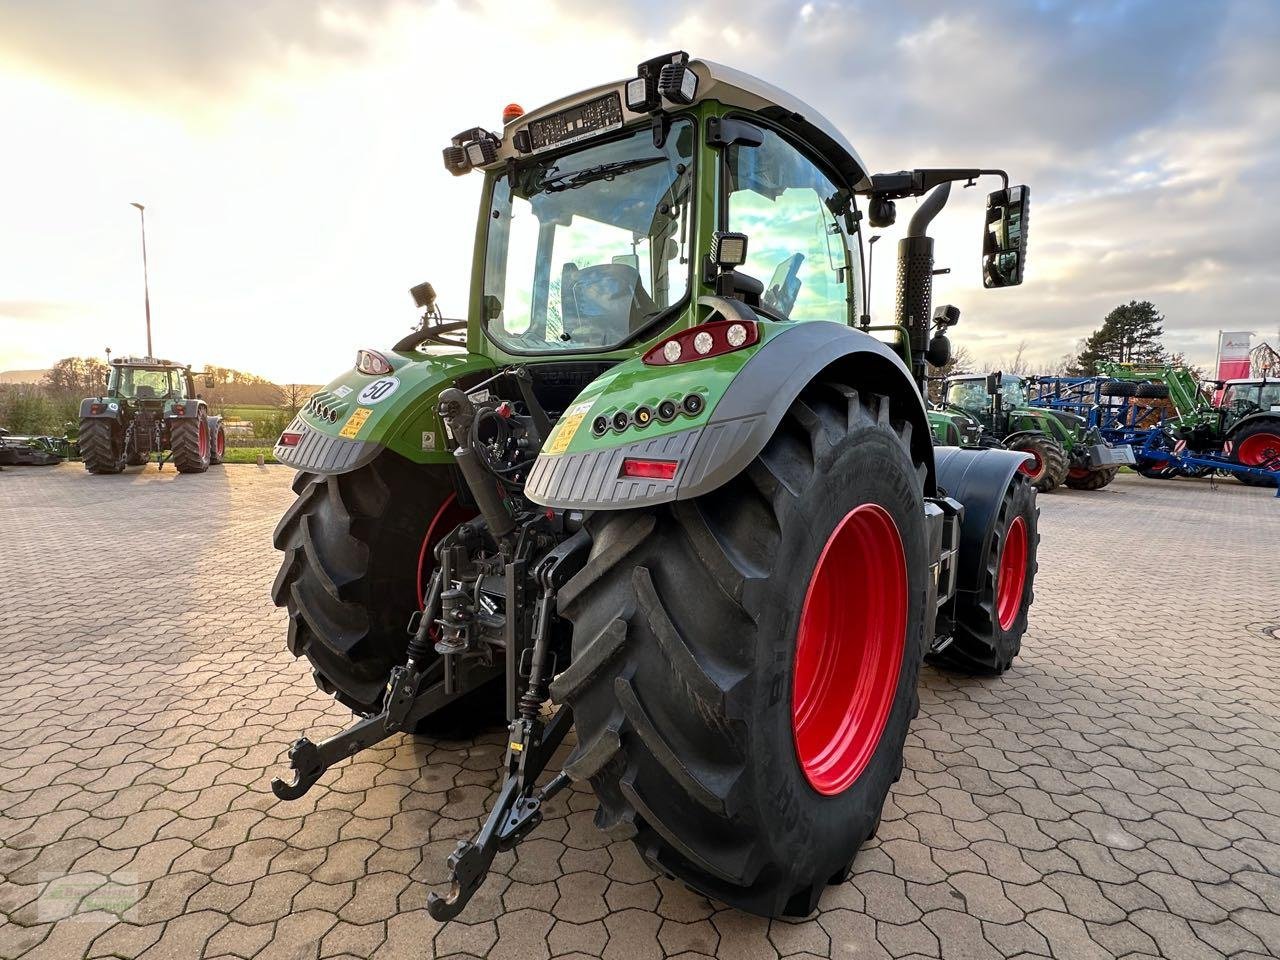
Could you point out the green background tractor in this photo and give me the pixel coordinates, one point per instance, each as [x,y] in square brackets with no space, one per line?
[1244,425]
[149,407]
[995,407]
[659,477]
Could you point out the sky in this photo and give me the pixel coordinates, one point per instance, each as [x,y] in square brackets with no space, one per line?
[288,153]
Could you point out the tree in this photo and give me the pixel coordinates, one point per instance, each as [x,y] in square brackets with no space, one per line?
[293,396]
[1129,334]
[76,378]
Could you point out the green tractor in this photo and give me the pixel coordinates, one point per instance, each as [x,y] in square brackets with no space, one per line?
[993,410]
[658,477]
[149,407]
[1240,430]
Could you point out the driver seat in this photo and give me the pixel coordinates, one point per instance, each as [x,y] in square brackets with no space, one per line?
[604,297]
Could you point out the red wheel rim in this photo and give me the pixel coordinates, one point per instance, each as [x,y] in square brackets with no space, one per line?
[849,649]
[1077,473]
[204,439]
[1013,573]
[220,444]
[449,515]
[1259,449]
[1031,467]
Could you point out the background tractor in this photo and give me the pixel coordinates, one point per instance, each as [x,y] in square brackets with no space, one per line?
[149,407]
[660,476]
[1164,414]
[1061,447]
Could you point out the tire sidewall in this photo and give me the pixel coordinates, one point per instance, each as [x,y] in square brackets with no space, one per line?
[870,465]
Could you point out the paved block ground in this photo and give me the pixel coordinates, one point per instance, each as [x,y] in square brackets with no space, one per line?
[1116,794]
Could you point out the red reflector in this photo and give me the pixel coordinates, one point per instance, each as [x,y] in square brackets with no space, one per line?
[180,411]
[290,439]
[96,408]
[649,469]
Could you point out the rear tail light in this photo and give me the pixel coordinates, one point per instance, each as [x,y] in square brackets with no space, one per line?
[179,410]
[289,439]
[636,469]
[372,363]
[708,340]
[97,407]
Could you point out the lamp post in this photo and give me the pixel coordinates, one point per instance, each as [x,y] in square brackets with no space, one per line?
[146,289]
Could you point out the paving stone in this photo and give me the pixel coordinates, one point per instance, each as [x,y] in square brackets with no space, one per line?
[1107,797]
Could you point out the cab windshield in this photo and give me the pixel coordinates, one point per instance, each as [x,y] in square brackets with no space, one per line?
[141,384]
[1263,396]
[972,394]
[587,250]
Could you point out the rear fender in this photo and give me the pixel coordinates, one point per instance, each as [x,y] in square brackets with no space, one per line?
[357,416]
[746,394]
[184,409]
[111,409]
[1262,416]
[978,479]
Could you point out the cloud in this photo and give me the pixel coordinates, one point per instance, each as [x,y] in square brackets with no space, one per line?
[164,48]
[1149,133]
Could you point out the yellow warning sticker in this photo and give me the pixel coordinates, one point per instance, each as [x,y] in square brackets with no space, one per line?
[354,423]
[566,428]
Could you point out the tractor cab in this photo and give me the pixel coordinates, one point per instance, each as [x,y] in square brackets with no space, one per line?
[1240,398]
[986,397]
[148,381]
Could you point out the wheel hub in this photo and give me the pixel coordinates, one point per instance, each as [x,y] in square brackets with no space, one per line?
[1012,573]
[1033,466]
[1259,449]
[849,648]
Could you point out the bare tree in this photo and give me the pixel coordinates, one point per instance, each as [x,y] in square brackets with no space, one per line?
[293,396]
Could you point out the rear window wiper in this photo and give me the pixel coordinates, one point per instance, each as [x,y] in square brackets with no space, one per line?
[603,171]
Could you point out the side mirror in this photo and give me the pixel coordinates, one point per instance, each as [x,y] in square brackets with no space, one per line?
[1004,243]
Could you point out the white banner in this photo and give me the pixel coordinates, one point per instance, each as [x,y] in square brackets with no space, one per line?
[1234,346]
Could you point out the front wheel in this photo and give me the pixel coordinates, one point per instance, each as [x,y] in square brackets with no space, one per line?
[1046,467]
[990,621]
[218,450]
[1078,478]
[744,665]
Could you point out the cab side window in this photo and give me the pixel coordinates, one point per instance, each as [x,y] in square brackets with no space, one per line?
[796,246]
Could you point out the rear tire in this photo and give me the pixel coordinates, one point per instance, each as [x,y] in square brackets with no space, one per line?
[683,680]
[990,623]
[189,441]
[351,544]
[101,446]
[1256,444]
[1081,479]
[1049,468]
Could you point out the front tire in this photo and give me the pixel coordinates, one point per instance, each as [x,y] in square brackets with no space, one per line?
[706,634]
[101,446]
[1047,467]
[218,450]
[990,623]
[1081,479]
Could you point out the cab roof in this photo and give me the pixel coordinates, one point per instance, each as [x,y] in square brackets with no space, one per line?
[733,88]
[150,363]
